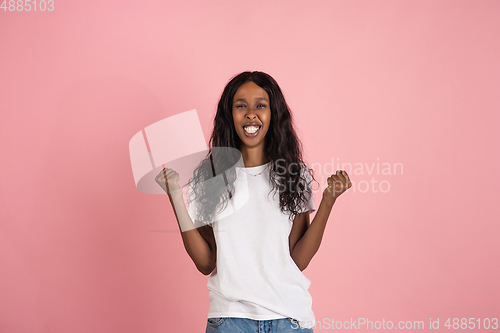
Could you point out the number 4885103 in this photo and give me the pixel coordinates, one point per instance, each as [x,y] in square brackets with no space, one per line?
[27,5]
[472,323]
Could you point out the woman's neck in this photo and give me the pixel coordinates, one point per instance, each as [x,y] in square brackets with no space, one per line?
[253,157]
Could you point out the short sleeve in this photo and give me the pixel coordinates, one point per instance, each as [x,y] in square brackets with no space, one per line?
[309,206]
[223,209]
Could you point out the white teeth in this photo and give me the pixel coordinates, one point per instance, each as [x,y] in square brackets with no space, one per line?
[251,129]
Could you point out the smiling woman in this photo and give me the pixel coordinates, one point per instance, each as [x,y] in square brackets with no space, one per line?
[252,117]
[256,254]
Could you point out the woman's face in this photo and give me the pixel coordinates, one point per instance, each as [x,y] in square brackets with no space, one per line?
[251,114]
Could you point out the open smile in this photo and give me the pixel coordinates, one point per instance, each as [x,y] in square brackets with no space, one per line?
[251,130]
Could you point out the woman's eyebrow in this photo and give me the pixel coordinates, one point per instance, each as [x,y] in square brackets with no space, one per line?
[257,98]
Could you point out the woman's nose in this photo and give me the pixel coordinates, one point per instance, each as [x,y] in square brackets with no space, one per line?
[251,113]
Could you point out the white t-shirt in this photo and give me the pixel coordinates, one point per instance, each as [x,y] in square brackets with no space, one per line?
[255,276]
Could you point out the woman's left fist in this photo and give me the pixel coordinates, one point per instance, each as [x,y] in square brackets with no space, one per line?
[338,183]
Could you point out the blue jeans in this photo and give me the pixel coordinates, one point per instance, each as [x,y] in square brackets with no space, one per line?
[245,325]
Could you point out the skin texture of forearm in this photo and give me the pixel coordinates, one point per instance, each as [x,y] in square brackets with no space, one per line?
[307,246]
[195,245]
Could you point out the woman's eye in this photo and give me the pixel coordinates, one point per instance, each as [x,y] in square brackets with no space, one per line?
[243,106]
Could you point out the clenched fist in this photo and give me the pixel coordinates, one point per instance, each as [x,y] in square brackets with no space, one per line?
[338,183]
[168,180]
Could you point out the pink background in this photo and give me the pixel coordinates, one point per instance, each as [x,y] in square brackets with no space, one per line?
[410,82]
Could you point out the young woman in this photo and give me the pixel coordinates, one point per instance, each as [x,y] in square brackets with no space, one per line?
[255,254]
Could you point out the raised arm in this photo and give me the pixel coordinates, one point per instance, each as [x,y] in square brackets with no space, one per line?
[305,239]
[199,241]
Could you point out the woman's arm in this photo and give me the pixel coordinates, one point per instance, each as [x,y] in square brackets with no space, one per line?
[199,241]
[305,239]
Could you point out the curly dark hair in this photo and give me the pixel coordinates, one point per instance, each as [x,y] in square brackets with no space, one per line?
[282,147]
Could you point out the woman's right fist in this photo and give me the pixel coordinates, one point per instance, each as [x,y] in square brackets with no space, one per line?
[168,181]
